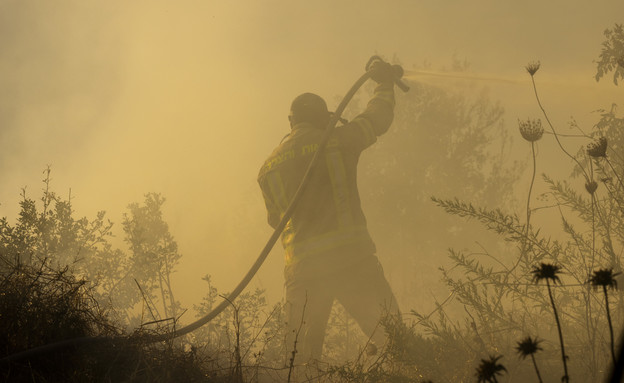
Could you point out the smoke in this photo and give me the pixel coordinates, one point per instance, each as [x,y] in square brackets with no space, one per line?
[60,76]
[124,98]
[421,75]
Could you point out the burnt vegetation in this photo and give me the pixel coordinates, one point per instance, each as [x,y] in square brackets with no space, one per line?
[528,292]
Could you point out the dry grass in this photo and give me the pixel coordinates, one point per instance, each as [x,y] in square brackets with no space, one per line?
[41,306]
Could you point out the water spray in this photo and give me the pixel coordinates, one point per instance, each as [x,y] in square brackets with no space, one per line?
[419,74]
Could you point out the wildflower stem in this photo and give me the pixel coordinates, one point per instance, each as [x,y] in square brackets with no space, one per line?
[536,369]
[593,203]
[553,130]
[604,289]
[565,377]
[528,209]
[592,331]
[528,215]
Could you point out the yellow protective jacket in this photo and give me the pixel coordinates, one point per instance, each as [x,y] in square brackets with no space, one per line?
[329,217]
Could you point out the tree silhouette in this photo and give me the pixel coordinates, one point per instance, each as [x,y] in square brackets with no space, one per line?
[154,252]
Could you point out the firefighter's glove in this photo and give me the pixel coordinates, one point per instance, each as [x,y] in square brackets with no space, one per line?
[381,71]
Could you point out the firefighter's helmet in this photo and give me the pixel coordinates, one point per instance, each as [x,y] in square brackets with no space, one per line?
[309,107]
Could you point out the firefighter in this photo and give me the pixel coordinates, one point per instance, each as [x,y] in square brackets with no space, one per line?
[329,252]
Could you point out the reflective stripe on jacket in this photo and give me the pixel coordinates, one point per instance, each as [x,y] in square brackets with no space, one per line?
[329,217]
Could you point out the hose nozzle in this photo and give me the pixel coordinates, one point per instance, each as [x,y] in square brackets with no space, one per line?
[397,72]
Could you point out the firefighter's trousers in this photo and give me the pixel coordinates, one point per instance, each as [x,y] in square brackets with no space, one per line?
[361,288]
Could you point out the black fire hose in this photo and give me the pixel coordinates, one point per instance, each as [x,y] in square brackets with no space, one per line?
[259,261]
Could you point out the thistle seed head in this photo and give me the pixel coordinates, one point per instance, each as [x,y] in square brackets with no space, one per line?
[591,186]
[598,148]
[532,67]
[528,346]
[531,130]
[546,271]
[604,278]
[489,368]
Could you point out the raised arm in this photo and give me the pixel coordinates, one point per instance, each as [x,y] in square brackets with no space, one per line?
[364,129]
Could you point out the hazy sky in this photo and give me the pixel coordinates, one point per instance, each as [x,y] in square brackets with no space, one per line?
[187,98]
